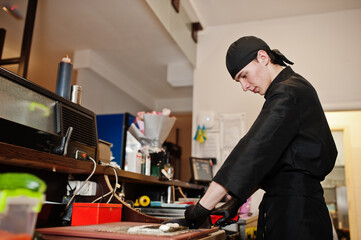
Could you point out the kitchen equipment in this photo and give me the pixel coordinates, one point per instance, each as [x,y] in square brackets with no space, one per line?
[33,117]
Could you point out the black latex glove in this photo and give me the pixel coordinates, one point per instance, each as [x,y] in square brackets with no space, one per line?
[197,216]
[229,210]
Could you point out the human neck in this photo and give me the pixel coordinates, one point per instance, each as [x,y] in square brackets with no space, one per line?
[274,70]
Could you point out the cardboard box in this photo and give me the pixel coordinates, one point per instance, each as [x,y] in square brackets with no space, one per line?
[104,151]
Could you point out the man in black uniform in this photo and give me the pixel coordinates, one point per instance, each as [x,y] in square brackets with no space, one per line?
[287,152]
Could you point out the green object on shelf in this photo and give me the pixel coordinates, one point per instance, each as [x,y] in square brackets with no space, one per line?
[13,181]
[16,195]
[21,187]
[154,171]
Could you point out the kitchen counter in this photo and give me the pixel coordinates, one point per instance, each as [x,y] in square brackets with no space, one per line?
[118,230]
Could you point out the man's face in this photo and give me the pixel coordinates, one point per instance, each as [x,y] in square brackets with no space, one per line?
[254,77]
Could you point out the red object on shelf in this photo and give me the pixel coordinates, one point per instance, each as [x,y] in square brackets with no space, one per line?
[94,213]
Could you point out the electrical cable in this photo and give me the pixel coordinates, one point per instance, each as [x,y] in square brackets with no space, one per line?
[173,193]
[132,209]
[181,192]
[116,184]
[113,190]
[78,190]
[70,188]
[101,197]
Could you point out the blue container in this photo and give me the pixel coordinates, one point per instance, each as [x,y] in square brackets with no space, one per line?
[113,128]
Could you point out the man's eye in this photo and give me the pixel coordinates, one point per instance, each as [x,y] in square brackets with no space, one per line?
[244,76]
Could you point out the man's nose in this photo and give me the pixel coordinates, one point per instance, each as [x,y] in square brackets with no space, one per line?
[244,85]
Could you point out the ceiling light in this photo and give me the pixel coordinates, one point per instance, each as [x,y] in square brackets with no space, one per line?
[12,10]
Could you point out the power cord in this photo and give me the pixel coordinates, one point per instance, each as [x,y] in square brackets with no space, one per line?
[78,190]
[101,197]
[112,191]
[116,184]
[181,192]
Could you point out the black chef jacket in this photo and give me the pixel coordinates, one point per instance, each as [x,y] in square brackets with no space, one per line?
[287,152]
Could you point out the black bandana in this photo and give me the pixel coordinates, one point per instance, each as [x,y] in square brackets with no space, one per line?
[245,49]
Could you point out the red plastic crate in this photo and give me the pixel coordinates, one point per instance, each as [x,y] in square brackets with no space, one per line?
[94,213]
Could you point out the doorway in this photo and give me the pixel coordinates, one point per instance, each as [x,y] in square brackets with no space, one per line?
[346,129]
[335,190]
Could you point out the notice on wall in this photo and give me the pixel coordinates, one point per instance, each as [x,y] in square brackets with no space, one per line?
[209,148]
[232,129]
[221,140]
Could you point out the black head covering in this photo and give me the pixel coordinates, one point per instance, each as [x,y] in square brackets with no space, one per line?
[245,49]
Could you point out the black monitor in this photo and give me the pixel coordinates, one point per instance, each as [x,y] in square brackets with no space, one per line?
[201,169]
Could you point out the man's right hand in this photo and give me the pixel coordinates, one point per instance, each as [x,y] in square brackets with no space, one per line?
[228,210]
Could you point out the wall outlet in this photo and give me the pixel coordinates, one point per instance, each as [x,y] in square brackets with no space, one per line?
[89,189]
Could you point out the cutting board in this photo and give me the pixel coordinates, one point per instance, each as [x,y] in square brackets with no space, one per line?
[115,230]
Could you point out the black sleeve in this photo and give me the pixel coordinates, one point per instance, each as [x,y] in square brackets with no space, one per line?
[259,150]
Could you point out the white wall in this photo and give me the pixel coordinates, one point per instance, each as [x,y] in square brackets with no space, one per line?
[102,97]
[325,48]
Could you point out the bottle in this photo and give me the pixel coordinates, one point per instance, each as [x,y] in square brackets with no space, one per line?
[63,82]
[138,162]
[76,92]
[142,165]
[147,165]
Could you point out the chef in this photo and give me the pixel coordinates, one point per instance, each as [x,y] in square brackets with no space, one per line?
[287,152]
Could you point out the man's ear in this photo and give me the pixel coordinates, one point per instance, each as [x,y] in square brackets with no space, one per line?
[262,57]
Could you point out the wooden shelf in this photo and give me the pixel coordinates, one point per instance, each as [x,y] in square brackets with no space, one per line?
[29,158]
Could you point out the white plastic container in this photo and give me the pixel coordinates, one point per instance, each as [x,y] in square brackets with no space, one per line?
[19,209]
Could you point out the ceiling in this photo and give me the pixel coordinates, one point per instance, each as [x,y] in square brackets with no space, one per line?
[129,35]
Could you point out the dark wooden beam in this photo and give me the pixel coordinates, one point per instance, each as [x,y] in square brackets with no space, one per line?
[2,40]
[195,28]
[175,4]
[27,38]
[23,60]
[9,61]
